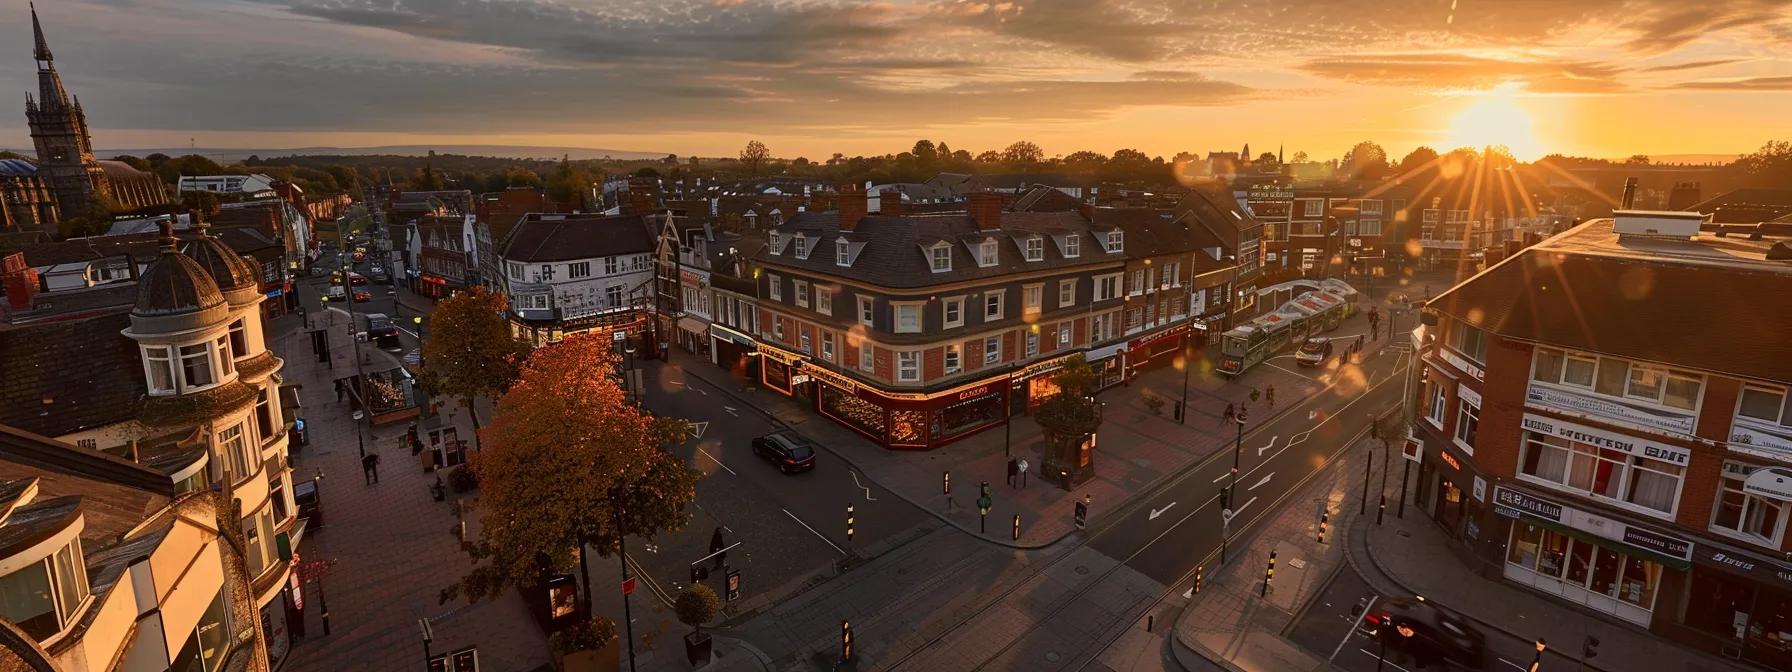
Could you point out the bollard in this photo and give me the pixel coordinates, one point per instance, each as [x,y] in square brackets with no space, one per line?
[1017,527]
[1322,520]
[849,524]
[1199,570]
[1269,574]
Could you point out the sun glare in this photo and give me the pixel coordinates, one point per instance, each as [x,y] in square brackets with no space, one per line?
[1495,118]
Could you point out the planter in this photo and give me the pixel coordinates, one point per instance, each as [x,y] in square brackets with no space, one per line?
[606,659]
[697,648]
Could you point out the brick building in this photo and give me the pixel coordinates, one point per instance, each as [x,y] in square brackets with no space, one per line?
[1605,418]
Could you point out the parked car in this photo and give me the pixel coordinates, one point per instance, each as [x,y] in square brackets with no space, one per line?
[335,293]
[789,452]
[1437,634]
[362,296]
[1313,352]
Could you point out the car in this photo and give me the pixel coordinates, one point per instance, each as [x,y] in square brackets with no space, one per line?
[1313,352]
[789,452]
[382,332]
[335,293]
[1436,633]
[362,296]
[354,278]
[360,256]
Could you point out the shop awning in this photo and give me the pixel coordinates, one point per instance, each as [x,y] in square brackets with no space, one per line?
[693,325]
[1608,544]
[1105,352]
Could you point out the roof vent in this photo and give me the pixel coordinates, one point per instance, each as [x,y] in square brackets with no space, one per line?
[1657,224]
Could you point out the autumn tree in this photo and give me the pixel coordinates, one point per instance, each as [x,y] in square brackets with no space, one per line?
[754,156]
[470,351]
[571,465]
[569,182]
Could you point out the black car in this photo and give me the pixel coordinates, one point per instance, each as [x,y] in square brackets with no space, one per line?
[382,332]
[791,453]
[1436,634]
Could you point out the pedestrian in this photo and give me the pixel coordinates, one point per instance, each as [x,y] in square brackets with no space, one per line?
[1359,342]
[302,319]
[1231,412]
[1374,330]
[340,390]
[716,545]
[1270,395]
[1023,473]
[370,468]
[1013,470]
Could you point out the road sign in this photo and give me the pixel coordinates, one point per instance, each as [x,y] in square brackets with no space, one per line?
[628,586]
[733,592]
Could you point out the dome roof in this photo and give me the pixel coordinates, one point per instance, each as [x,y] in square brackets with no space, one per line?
[227,268]
[175,283]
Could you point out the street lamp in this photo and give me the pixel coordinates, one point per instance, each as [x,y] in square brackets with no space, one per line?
[1537,661]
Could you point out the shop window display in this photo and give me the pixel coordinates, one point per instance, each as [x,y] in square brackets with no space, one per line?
[848,408]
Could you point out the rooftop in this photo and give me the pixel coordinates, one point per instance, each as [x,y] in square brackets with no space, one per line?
[540,237]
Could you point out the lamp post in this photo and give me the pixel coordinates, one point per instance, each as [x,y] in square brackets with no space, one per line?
[1537,661]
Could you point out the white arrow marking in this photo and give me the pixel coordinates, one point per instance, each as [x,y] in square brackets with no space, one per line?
[1188,593]
[700,391]
[1271,444]
[698,428]
[1260,483]
[1158,512]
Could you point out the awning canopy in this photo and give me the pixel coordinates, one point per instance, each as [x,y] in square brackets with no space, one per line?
[693,325]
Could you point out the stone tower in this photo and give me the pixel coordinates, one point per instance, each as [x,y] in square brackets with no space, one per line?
[59,131]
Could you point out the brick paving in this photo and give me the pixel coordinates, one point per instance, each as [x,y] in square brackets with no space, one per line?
[391,543]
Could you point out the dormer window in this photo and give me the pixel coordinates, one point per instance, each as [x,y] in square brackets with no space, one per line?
[940,257]
[1073,246]
[775,241]
[802,246]
[986,253]
[1035,249]
[777,218]
[842,252]
[1116,241]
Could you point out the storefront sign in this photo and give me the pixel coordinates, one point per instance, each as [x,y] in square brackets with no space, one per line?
[1414,449]
[1511,503]
[1750,566]
[1464,392]
[1606,440]
[1588,405]
[973,393]
[1660,543]
[695,278]
[1518,501]
[1037,368]
[1462,364]
[1155,339]
[1770,482]
[1761,439]
[1480,489]
[1449,459]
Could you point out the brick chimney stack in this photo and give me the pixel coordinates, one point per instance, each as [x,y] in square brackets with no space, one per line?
[637,202]
[986,209]
[20,281]
[852,206]
[889,203]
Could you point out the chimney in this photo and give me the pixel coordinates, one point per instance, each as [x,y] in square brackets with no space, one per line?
[20,281]
[986,209]
[1629,197]
[1684,196]
[852,206]
[889,203]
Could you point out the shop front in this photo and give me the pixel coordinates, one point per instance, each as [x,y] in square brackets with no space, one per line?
[1449,490]
[1035,384]
[733,351]
[1742,602]
[1155,350]
[904,420]
[1109,363]
[1604,564]
[693,336]
[777,369]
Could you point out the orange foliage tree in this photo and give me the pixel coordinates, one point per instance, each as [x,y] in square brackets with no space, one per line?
[570,465]
[470,351]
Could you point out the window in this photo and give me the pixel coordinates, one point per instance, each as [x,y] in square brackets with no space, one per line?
[1173,274]
[865,311]
[1619,378]
[1116,241]
[1469,341]
[1101,327]
[1435,412]
[1132,319]
[802,293]
[992,305]
[1066,293]
[277,495]
[778,328]
[1313,207]
[1073,245]
[940,257]
[1468,419]
[579,270]
[867,357]
[1035,249]
[954,358]
[1032,343]
[986,253]
[239,339]
[613,294]
[774,287]
[1032,297]
[196,365]
[824,301]
[264,415]
[533,301]
[992,350]
[801,243]
[908,318]
[776,242]
[161,369]
[1758,519]
[827,347]
[42,597]
[258,533]
[233,452]
[802,338]
[1138,281]
[225,359]
[515,270]
[842,252]
[1063,334]
[1107,287]
[1646,483]
[952,310]
[612,265]
[1760,403]
[547,273]
[908,366]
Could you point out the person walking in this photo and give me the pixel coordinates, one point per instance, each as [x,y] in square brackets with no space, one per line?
[1023,473]
[370,468]
[1270,395]
[1013,470]
[1231,412]
[340,390]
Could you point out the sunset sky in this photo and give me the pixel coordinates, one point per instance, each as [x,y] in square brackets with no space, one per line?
[1604,78]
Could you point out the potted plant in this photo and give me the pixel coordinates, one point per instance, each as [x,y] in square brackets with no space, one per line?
[588,645]
[696,606]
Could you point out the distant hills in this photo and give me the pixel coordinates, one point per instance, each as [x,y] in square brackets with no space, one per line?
[231,155]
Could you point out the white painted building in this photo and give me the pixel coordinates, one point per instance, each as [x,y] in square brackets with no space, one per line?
[252,183]
[574,273]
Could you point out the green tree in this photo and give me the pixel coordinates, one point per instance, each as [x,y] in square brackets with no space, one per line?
[1022,154]
[569,183]
[925,152]
[571,466]
[346,178]
[1073,412]
[428,179]
[470,351]
[754,156]
[128,160]
[696,606]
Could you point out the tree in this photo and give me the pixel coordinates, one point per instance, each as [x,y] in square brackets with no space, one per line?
[754,156]
[1637,160]
[1365,161]
[989,156]
[571,466]
[569,183]
[925,152]
[428,179]
[470,351]
[1022,153]
[1300,156]
[1417,159]
[518,176]
[696,606]
[1069,416]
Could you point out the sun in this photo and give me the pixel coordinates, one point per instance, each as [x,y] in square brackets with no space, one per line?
[1495,117]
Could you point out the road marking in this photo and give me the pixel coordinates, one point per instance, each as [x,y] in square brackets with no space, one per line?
[700,391]
[1293,372]
[1242,507]
[855,481]
[1515,666]
[799,521]
[712,458]
[1260,483]
[1384,660]
[730,410]
[676,382]
[1158,512]
[698,428]
[1299,438]
[1223,476]
[1267,446]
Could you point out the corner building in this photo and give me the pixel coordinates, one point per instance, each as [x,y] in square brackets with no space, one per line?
[1605,418]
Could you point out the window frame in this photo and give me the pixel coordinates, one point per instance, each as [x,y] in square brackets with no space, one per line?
[1468,415]
[1738,472]
[939,257]
[824,300]
[913,309]
[842,253]
[801,287]
[1440,400]
[169,368]
[1035,248]
[239,339]
[1066,292]
[208,367]
[774,287]
[1032,297]
[867,311]
[827,346]
[1073,246]
[947,306]
[992,350]
[952,359]
[1116,241]
[1586,461]
[867,357]
[988,253]
[908,366]
[995,304]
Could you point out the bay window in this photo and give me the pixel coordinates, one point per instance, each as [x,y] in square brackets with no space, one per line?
[226,359]
[196,365]
[233,453]
[161,369]
[1744,514]
[1642,482]
[42,597]
[239,339]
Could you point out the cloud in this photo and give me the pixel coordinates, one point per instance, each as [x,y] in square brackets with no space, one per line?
[1665,25]
[1694,65]
[1751,84]
[1448,70]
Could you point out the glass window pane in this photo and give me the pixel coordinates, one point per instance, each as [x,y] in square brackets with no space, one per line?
[1681,392]
[1578,372]
[1613,375]
[1761,404]
[25,600]
[1549,366]
[1645,383]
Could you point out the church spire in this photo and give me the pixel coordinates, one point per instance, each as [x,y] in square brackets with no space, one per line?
[37,30]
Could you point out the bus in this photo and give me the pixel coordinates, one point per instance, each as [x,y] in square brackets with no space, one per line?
[1303,317]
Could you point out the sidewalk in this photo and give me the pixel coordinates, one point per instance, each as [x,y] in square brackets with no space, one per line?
[1230,624]
[1425,564]
[1138,449]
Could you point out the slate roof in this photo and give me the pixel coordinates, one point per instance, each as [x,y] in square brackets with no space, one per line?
[16,168]
[1153,233]
[893,254]
[1041,198]
[226,266]
[176,283]
[545,238]
[1716,305]
[87,371]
